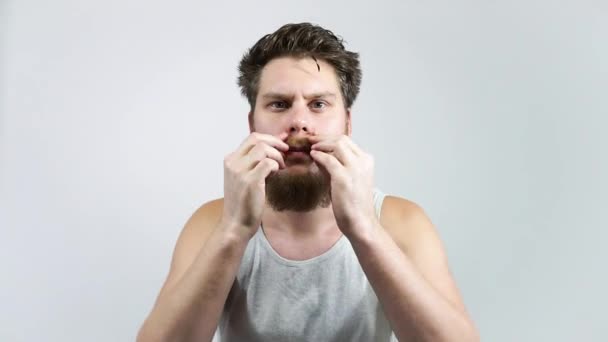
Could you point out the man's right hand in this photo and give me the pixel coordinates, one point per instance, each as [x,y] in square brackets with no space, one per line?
[245,172]
[211,246]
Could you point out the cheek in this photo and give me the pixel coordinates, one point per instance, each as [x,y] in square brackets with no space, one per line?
[261,125]
[337,126]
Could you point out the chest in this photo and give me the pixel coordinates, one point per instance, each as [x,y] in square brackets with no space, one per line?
[302,247]
[323,299]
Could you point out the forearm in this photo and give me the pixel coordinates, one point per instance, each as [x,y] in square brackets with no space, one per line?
[416,311]
[191,309]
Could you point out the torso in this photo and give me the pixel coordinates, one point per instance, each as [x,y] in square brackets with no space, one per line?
[312,294]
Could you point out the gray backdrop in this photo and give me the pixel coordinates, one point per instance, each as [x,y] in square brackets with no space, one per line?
[116,116]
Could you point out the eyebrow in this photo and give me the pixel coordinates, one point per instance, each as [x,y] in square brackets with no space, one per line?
[276,95]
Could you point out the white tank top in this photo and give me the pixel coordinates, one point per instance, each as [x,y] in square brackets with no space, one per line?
[325,298]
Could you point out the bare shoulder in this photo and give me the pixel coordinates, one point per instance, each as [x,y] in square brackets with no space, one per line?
[414,233]
[405,221]
[200,224]
[192,238]
[209,213]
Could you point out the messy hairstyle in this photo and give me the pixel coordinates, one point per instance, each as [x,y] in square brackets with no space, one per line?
[301,41]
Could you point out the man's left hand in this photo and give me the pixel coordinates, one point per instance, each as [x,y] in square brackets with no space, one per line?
[351,171]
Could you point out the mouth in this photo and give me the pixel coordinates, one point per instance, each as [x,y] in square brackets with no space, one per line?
[298,144]
[297,157]
[299,150]
[298,154]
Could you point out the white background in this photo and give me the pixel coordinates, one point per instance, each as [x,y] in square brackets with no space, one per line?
[116,115]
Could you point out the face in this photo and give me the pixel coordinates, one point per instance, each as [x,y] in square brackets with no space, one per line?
[301,99]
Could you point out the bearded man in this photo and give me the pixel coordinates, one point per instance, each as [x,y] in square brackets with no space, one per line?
[303,247]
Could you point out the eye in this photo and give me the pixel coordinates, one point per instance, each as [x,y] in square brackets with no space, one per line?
[319,104]
[278,105]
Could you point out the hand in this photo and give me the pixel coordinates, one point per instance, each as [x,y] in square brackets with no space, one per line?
[351,171]
[245,172]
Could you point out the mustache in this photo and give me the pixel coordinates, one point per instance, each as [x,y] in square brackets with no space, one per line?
[298,144]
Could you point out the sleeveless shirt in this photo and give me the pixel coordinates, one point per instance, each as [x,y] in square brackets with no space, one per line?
[325,298]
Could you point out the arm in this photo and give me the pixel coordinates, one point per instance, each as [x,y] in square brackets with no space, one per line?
[401,255]
[190,303]
[405,262]
[211,246]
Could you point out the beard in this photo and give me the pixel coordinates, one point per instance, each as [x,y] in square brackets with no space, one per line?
[301,191]
[298,190]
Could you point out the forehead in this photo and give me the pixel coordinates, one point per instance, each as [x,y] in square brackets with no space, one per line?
[291,75]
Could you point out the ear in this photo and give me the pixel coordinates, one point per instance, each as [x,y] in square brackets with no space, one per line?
[349,126]
[251,125]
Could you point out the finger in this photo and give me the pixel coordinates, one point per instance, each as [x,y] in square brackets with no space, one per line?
[256,137]
[328,162]
[313,139]
[264,168]
[258,153]
[354,147]
[345,138]
[340,150]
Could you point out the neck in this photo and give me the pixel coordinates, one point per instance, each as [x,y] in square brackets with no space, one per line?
[310,223]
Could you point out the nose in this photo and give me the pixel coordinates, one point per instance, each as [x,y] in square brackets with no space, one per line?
[300,121]
[299,125]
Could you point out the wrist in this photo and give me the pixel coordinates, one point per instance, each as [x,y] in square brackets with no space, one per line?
[234,232]
[364,231]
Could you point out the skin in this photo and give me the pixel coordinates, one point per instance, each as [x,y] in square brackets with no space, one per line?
[400,252]
[298,100]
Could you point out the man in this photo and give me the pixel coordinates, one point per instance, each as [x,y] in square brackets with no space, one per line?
[302,247]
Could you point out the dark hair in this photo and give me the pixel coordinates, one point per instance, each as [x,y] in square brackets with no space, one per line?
[300,41]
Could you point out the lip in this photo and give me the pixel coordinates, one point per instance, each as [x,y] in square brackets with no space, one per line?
[298,154]
[297,158]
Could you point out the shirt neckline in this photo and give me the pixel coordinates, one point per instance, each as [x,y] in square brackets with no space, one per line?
[334,249]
